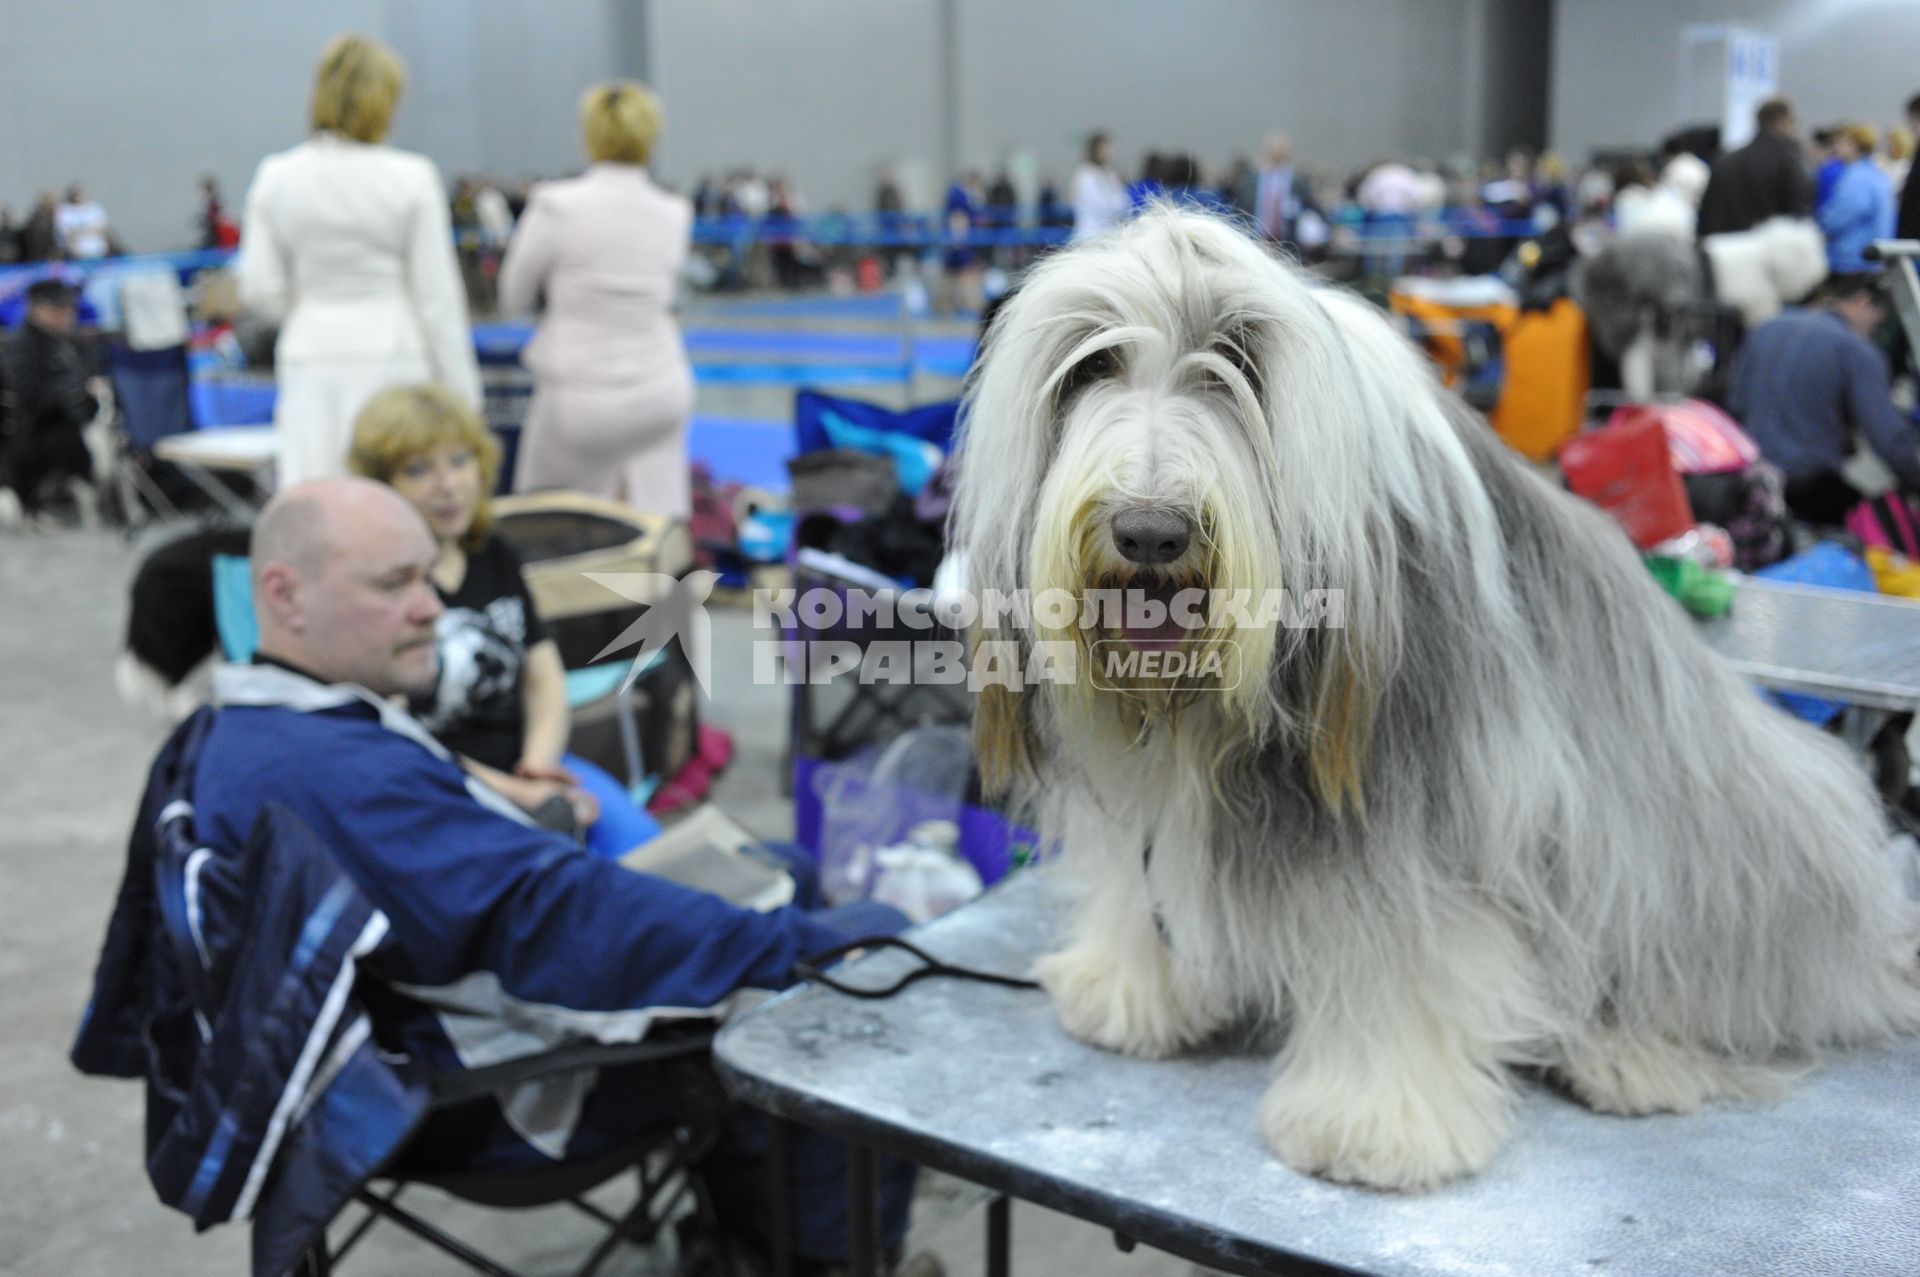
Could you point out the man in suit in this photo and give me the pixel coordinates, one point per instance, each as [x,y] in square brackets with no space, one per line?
[1280,193]
[1765,178]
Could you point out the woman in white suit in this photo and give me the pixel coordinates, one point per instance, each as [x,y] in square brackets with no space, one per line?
[348,244]
[613,390]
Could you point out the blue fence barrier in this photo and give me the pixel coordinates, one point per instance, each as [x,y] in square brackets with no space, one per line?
[994,229]
[501,344]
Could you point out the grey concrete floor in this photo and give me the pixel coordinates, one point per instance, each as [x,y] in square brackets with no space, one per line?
[74,1200]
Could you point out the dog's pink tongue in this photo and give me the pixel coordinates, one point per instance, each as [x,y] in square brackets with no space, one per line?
[1155,638]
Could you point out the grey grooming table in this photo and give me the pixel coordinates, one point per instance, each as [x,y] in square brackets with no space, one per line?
[1845,645]
[981,1082]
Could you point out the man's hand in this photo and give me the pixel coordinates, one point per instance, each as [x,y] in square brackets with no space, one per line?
[545,771]
[529,793]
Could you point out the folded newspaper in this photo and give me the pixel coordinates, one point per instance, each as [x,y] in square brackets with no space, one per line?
[706,850]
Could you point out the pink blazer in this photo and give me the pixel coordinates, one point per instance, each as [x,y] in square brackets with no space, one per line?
[604,250]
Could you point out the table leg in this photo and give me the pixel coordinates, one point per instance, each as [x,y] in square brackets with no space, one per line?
[999,1237]
[221,494]
[780,1196]
[1859,725]
[863,1225]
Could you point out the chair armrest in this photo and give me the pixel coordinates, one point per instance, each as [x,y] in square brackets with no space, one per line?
[463,1085]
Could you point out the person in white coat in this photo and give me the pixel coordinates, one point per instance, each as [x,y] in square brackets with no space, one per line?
[612,388]
[348,245]
[1099,196]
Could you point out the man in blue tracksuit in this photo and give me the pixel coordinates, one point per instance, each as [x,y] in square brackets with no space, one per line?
[504,938]
[1807,383]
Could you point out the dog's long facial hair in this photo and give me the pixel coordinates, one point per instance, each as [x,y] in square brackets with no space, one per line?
[1498,807]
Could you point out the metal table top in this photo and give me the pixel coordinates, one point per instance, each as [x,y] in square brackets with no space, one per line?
[222,448]
[1842,644]
[981,1082]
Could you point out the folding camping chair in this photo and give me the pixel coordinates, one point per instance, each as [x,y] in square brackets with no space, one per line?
[914,442]
[147,367]
[828,728]
[666,1161]
[150,390]
[183,974]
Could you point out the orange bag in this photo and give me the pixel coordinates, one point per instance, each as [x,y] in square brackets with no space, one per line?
[1548,372]
[1546,367]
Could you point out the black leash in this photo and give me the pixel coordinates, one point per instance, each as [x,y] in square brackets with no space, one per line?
[811,968]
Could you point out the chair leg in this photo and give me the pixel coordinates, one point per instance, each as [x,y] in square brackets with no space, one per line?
[360,1229]
[661,1192]
[599,1254]
[593,1212]
[433,1236]
[630,740]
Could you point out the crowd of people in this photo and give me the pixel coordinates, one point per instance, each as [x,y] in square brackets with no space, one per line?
[72,227]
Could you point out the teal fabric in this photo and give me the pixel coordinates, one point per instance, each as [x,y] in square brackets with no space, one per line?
[233,607]
[914,460]
[592,682]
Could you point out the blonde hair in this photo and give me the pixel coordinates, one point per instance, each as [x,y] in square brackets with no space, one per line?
[356,87]
[404,422]
[1863,137]
[621,122]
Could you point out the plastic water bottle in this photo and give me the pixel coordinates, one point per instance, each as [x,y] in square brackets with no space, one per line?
[926,876]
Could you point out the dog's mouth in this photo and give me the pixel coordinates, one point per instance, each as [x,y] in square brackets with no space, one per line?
[1157,612]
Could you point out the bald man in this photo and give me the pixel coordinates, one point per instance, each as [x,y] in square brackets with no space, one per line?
[340,587]
[503,938]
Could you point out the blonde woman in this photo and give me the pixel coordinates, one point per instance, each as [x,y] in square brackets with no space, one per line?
[613,390]
[501,699]
[347,244]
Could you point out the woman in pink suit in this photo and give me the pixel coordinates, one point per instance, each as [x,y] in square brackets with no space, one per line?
[613,390]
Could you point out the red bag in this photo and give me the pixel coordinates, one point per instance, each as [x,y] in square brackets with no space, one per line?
[1626,468]
[1703,439]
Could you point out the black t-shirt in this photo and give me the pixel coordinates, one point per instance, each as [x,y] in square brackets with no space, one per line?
[476,709]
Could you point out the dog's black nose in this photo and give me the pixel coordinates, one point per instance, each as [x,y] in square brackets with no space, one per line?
[1150,537]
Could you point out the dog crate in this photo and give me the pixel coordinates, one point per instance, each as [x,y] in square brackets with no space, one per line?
[564,539]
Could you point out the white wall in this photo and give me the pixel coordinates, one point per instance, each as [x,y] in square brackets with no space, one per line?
[138,98]
[828,89]
[1616,63]
[818,90]
[1348,81]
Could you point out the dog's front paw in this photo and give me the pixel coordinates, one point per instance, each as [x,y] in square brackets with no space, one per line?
[1615,1072]
[1123,1003]
[1407,1134]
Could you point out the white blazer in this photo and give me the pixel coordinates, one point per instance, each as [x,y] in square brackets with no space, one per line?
[350,247]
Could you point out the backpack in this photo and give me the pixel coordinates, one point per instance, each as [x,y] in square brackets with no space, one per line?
[1888,522]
